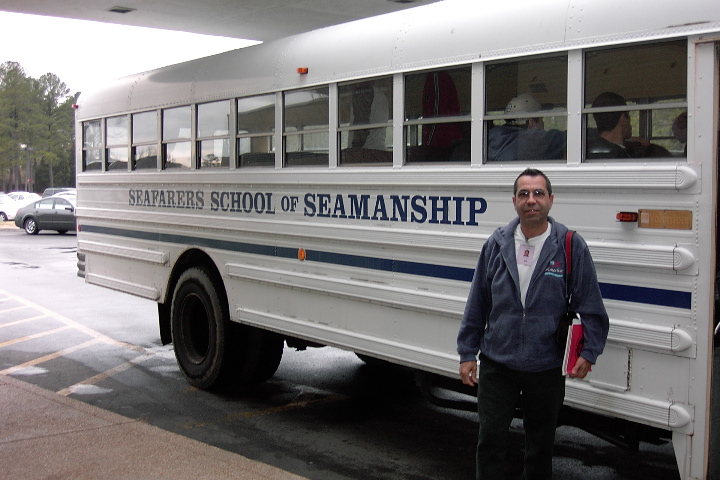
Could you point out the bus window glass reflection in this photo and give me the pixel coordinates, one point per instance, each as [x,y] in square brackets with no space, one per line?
[437,115]
[144,134]
[633,97]
[92,145]
[117,159]
[526,109]
[255,131]
[306,128]
[213,128]
[176,131]
[365,121]
[117,135]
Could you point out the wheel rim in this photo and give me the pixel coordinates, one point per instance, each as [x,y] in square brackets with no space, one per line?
[30,225]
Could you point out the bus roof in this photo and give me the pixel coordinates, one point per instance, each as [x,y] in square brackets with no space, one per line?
[443,33]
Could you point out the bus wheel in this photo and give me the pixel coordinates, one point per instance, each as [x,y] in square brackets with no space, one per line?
[199,322]
[264,351]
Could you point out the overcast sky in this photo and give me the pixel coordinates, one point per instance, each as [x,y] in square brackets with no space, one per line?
[85,55]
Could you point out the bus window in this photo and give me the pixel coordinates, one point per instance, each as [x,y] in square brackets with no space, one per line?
[92,145]
[306,114]
[633,97]
[365,115]
[213,129]
[437,116]
[144,150]
[255,131]
[526,109]
[176,132]
[117,134]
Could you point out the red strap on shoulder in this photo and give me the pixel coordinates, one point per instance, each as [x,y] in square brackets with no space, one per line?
[568,252]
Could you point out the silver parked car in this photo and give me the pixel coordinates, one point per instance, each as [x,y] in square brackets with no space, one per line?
[51,213]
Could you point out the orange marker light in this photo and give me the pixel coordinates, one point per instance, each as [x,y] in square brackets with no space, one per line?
[302,70]
[626,217]
[301,254]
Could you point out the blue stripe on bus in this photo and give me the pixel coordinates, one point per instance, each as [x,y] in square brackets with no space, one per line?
[652,296]
[395,266]
[626,293]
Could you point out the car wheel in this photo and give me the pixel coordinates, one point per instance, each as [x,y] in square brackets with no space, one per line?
[31,227]
[3,217]
[62,232]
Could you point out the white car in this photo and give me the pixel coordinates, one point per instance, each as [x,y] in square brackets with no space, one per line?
[67,193]
[8,208]
[24,198]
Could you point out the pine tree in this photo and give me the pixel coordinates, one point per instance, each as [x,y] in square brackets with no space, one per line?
[36,131]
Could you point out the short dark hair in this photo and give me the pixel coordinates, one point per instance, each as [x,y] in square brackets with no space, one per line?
[606,121]
[533,172]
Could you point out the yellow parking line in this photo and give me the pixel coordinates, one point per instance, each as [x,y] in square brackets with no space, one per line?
[70,324]
[35,335]
[75,325]
[25,320]
[47,358]
[107,374]
[12,309]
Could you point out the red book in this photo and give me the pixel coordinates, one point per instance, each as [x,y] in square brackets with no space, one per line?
[573,347]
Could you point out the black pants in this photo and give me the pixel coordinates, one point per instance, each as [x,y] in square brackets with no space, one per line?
[540,395]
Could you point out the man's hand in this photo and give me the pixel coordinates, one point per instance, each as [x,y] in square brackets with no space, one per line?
[580,370]
[468,373]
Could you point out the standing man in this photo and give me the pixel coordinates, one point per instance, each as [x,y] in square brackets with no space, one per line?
[513,312]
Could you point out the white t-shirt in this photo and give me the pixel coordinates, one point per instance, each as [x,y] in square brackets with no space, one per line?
[527,251]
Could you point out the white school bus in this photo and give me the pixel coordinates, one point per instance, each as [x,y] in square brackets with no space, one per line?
[336,187]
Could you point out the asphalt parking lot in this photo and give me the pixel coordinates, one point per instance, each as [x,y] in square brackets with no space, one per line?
[325,415]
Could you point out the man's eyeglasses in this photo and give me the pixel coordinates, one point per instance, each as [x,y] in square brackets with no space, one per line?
[525,194]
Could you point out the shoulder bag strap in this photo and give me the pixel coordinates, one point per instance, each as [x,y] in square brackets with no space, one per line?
[568,266]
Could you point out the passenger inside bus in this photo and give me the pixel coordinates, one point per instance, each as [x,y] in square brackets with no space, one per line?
[438,100]
[614,130]
[679,130]
[369,106]
[525,138]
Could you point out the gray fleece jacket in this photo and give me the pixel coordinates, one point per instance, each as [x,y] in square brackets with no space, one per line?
[495,322]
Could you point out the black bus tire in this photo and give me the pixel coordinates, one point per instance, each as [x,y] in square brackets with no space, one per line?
[199,324]
[265,358]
